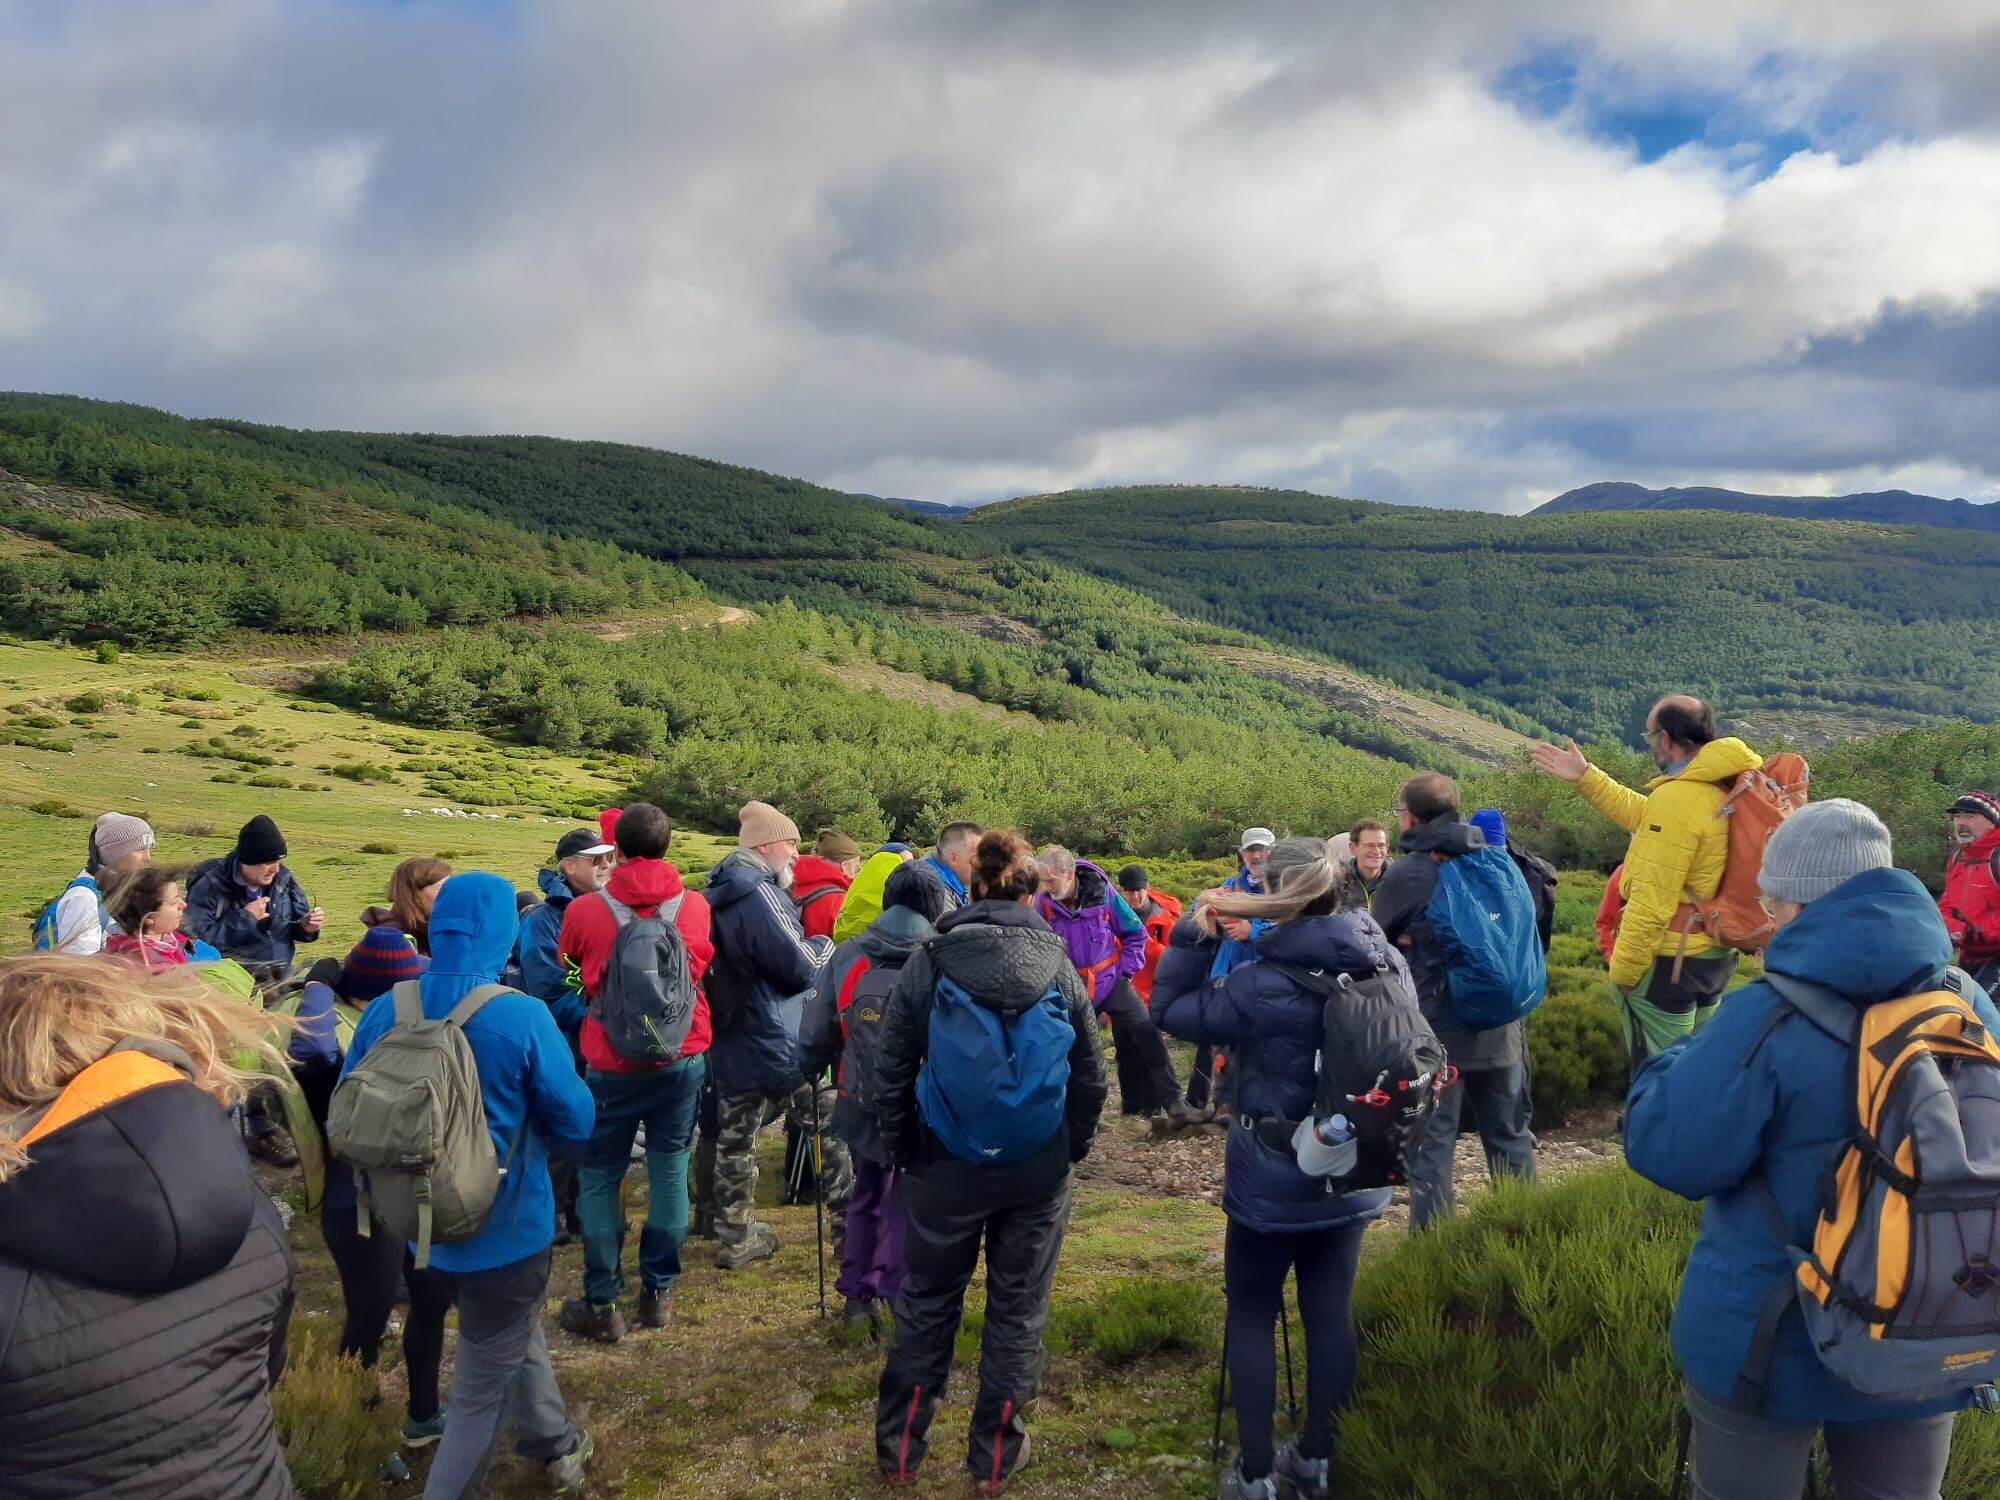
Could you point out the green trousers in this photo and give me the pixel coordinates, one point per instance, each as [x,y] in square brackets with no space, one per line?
[1659,1010]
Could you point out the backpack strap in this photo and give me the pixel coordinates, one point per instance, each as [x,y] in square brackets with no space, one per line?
[474,1002]
[409,1002]
[1830,1011]
[671,908]
[621,914]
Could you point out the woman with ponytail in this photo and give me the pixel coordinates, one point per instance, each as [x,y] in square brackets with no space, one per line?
[1279,1217]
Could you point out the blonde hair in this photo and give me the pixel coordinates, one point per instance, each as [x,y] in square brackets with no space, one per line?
[59,1014]
[1304,880]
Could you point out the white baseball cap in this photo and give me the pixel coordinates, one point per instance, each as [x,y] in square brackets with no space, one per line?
[1254,838]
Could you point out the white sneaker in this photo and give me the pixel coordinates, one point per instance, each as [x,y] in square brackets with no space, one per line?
[1308,1477]
[1235,1487]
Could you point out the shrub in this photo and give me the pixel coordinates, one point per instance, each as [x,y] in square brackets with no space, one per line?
[269,780]
[1138,1317]
[85,703]
[42,721]
[360,771]
[52,808]
[196,830]
[107,652]
[334,1443]
[1575,1048]
[378,848]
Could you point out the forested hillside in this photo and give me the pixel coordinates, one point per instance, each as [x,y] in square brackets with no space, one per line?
[1569,622]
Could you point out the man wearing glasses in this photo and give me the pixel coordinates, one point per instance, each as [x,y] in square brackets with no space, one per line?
[1669,974]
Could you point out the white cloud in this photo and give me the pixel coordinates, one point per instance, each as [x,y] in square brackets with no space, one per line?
[977,249]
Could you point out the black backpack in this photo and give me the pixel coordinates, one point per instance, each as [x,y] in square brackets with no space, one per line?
[863,999]
[1379,1064]
[1541,877]
[645,1001]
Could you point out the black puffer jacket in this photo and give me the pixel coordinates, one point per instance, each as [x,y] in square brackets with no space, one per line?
[866,965]
[1006,957]
[145,1285]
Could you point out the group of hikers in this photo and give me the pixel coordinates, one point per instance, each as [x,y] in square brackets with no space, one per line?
[474,1080]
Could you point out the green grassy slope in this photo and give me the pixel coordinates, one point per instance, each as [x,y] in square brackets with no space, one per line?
[1819,629]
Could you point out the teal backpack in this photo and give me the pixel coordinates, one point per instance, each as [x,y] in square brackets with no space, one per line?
[1483,917]
[45,924]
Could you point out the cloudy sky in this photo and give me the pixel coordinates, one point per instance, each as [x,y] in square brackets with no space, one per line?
[1443,251]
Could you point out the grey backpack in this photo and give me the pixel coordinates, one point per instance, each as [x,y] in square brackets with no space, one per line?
[411,1120]
[1900,1284]
[645,1001]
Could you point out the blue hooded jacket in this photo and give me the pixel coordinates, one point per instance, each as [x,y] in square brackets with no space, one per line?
[762,951]
[526,1072]
[1276,1026]
[1761,1091]
[542,972]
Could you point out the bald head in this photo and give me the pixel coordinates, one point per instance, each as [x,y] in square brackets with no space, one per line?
[1677,727]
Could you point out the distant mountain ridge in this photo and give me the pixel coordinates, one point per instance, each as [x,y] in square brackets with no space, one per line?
[937,510]
[1878,505]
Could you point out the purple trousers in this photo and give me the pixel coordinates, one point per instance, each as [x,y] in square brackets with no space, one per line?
[871,1264]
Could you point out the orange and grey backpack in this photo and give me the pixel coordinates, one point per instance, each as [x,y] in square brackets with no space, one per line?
[1901,1285]
[1734,917]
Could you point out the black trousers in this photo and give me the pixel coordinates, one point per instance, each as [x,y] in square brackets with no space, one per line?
[1254,1269]
[370,1268]
[1146,1080]
[1020,1213]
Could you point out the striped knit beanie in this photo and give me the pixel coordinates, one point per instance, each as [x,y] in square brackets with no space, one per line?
[378,963]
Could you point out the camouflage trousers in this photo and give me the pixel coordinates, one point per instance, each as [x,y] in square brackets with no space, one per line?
[739,1118]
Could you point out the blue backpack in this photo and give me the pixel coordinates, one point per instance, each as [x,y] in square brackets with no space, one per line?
[1483,917]
[993,1087]
[45,924]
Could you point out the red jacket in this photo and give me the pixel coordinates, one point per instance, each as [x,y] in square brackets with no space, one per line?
[1165,911]
[589,929]
[1971,902]
[1610,912]
[818,888]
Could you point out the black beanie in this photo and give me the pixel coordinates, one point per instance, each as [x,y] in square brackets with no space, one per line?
[1133,878]
[260,842]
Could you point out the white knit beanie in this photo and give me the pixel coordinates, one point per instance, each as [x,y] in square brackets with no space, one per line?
[1821,846]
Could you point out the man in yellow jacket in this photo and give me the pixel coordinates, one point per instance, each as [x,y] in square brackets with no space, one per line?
[1668,978]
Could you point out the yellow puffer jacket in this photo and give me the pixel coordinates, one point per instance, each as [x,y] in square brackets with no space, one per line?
[1680,843]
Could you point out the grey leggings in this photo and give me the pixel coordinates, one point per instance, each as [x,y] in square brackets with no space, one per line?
[1741,1457]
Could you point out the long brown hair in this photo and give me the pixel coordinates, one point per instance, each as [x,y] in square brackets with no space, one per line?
[406,887]
[59,1014]
[1305,880]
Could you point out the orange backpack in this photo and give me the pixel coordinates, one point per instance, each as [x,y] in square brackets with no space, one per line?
[1734,917]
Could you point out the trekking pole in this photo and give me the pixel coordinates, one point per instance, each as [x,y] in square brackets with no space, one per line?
[1285,1323]
[1221,1389]
[1683,1441]
[819,1199]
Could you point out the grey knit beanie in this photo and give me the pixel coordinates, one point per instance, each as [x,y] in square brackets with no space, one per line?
[1821,846]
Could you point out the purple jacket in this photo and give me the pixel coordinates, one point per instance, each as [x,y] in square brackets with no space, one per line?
[1104,936]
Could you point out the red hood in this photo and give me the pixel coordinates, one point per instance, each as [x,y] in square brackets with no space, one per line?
[812,872]
[643,884]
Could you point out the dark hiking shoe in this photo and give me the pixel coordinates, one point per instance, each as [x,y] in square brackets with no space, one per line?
[566,1474]
[1235,1487]
[1308,1477]
[761,1243]
[991,1485]
[588,1320]
[275,1147]
[422,1434]
[655,1308]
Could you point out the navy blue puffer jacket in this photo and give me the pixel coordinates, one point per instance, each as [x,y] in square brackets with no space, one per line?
[1272,1024]
[767,964]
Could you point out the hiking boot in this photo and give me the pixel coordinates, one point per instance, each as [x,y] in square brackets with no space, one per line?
[275,1147]
[995,1486]
[566,1475]
[422,1434]
[1235,1487]
[655,1308]
[1308,1477]
[862,1310]
[601,1323]
[761,1243]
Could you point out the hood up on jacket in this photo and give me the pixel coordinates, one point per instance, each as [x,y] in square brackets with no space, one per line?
[892,937]
[1002,952]
[1906,948]
[473,927]
[643,884]
[1718,760]
[1447,835]
[136,1182]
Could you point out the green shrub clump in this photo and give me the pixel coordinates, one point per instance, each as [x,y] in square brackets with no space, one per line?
[360,770]
[1576,1053]
[1140,1316]
[85,703]
[334,1442]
